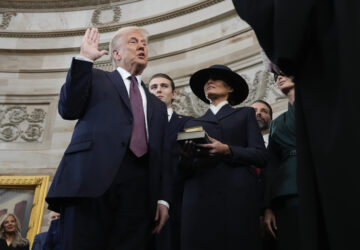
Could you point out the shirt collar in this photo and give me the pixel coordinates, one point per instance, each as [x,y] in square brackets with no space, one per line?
[216,108]
[125,74]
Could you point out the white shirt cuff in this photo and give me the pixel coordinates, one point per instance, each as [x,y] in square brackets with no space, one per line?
[162,202]
[81,58]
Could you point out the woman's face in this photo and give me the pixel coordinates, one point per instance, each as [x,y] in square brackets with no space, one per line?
[9,224]
[214,89]
[285,83]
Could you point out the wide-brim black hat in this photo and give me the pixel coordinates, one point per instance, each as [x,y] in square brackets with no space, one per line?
[221,72]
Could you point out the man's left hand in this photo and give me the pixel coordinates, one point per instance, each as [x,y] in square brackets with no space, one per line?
[161,216]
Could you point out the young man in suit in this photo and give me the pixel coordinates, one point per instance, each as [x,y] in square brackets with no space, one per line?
[111,186]
[163,87]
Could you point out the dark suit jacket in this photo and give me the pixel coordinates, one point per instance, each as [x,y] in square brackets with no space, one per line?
[53,237]
[281,178]
[220,202]
[169,237]
[39,241]
[318,42]
[101,137]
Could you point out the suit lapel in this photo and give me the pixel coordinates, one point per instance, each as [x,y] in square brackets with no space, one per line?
[119,84]
[225,112]
[208,117]
[174,123]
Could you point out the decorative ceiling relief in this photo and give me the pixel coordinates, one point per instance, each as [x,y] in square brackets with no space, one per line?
[98,18]
[5,19]
[22,123]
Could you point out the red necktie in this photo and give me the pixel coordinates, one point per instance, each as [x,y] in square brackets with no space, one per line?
[138,144]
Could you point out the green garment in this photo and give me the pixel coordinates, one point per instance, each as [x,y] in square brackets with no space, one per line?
[281,171]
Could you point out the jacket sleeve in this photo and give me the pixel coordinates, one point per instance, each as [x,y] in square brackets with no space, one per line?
[255,152]
[75,92]
[274,162]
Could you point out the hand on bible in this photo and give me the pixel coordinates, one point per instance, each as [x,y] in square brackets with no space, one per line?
[216,148]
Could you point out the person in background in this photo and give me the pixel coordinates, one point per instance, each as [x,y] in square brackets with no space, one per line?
[318,42]
[163,87]
[10,234]
[263,112]
[39,240]
[281,200]
[220,202]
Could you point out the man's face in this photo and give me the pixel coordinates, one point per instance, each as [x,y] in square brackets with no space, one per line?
[132,53]
[53,216]
[161,88]
[262,113]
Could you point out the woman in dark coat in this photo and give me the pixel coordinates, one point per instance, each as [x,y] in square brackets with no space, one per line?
[281,193]
[220,208]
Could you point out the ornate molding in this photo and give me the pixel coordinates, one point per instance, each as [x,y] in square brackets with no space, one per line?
[97,13]
[110,28]
[22,123]
[105,46]
[56,5]
[5,20]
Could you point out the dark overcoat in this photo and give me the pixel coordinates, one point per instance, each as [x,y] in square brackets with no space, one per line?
[101,137]
[169,237]
[318,42]
[220,208]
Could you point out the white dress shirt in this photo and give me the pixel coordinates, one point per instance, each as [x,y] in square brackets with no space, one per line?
[170,112]
[266,139]
[216,108]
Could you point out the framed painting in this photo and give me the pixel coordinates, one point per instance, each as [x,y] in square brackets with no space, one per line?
[24,196]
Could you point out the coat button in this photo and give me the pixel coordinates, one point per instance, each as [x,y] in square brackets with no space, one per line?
[123,144]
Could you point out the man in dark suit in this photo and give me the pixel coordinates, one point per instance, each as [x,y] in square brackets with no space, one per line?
[163,87]
[318,42]
[111,182]
[39,240]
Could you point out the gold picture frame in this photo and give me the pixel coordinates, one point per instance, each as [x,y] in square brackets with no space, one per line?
[38,186]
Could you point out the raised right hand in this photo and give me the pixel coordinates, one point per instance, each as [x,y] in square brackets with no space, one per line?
[90,45]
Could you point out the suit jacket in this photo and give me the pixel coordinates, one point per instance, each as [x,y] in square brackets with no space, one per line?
[281,179]
[220,202]
[169,238]
[39,241]
[318,42]
[53,237]
[101,137]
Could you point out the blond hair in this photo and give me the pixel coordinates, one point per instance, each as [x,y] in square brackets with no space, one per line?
[18,240]
[115,40]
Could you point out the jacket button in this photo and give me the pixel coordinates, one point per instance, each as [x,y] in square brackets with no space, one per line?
[123,144]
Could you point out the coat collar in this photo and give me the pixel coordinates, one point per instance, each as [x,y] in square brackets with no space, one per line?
[224,112]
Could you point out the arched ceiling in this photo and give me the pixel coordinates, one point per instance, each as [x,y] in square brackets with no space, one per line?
[55,5]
